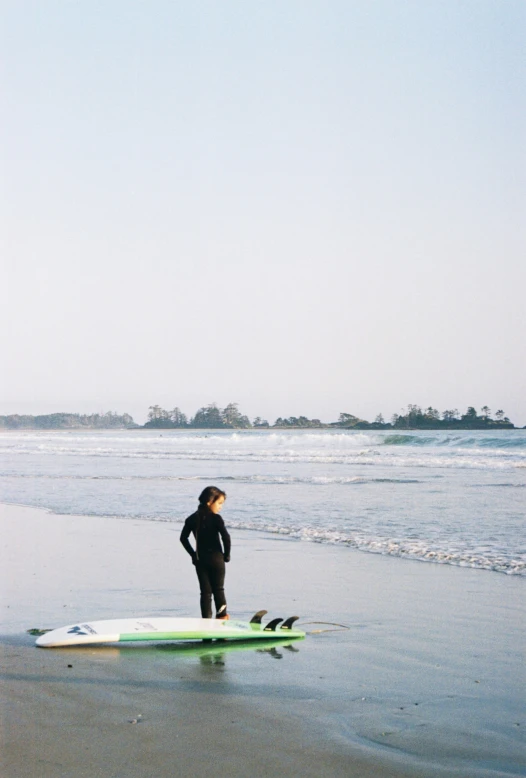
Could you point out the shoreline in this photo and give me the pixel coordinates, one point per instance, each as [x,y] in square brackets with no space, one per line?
[329,427]
[424,681]
[291,536]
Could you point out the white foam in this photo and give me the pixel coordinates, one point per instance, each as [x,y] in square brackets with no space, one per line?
[511,564]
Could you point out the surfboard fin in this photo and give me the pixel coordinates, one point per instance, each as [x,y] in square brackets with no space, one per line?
[271,626]
[289,622]
[256,618]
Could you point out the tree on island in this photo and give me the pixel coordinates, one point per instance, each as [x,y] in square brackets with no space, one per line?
[179,418]
[233,418]
[349,421]
[208,416]
[158,418]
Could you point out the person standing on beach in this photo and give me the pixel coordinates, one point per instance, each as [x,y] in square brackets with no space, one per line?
[209,556]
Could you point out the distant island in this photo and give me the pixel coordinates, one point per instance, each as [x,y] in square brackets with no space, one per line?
[65,421]
[213,417]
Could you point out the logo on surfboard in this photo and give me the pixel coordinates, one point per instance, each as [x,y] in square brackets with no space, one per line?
[85,629]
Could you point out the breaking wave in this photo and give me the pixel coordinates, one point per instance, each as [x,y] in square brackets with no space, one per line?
[465,440]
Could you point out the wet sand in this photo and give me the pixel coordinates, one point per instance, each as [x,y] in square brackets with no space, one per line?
[426,678]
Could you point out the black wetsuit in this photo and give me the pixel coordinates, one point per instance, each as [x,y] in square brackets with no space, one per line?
[209,557]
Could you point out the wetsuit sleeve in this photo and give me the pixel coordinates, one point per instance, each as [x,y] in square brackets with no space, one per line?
[225,537]
[185,534]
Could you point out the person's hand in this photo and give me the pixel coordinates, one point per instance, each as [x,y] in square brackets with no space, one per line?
[194,559]
[227,557]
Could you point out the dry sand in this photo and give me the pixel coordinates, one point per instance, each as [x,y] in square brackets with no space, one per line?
[427,680]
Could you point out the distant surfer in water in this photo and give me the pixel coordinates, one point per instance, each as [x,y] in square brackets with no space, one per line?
[209,556]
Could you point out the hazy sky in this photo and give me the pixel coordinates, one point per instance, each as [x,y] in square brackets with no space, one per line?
[303,207]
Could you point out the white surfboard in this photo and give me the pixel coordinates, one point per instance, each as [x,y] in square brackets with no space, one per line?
[165,628]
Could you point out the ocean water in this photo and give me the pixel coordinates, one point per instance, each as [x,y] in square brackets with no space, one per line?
[455,498]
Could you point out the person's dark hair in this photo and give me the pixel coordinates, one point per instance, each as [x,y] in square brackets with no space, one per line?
[210,494]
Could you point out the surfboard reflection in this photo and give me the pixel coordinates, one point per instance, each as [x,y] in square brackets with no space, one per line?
[209,653]
[216,651]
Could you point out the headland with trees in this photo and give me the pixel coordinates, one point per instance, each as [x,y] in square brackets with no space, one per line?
[213,417]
